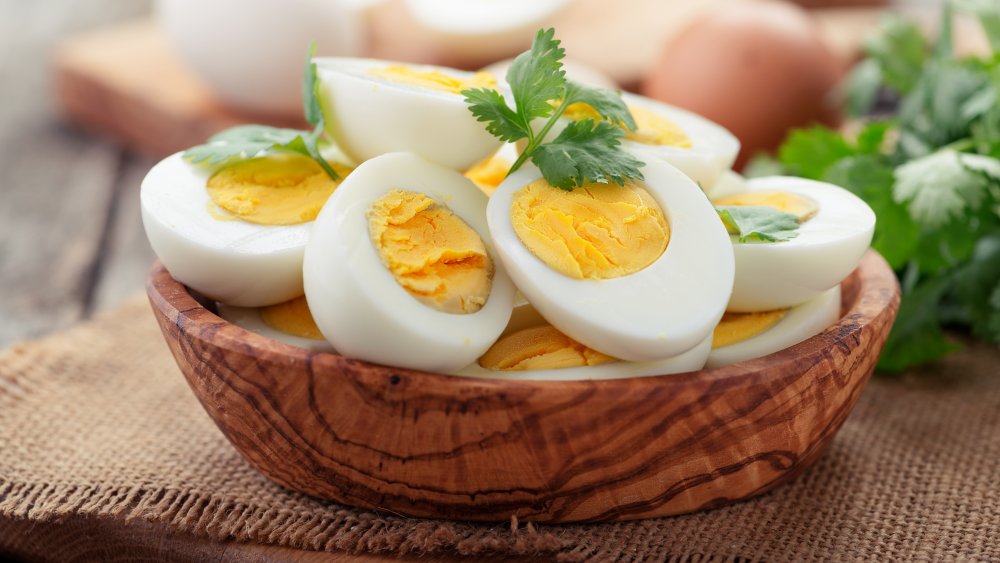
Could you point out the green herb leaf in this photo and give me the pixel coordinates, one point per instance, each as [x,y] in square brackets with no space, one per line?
[899,51]
[978,288]
[761,224]
[607,103]
[502,122]
[809,152]
[537,77]
[862,87]
[943,185]
[586,151]
[246,141]
[916,336]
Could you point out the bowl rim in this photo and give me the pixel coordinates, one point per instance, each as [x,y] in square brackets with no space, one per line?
[870,292]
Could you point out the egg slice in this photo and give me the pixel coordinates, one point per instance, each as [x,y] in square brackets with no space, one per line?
[401,270]
[235,233]
[373,107]
[289,322]
[835,230]
[639,273]
[744,336]
[698,147]
[542,352]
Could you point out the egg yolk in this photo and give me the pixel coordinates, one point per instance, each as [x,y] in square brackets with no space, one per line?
[597,231]
[737,327]
[651,127]
[433,79]
[434,255]
[291,317]
[487,174]
[273,190]
[802,207]
[541,347]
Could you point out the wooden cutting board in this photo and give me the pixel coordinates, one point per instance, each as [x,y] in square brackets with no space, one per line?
[125,82]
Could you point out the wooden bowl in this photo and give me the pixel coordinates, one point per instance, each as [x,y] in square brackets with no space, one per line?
[440,446]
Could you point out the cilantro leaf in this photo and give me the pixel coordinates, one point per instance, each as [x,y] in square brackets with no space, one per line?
[944,185]
[862,87]
[607,103]
[502,122]
[977,286]
[932,115]
[916,336]
[246,141]
[536,76]
[586,151]
[761,224]
[899,51]
[809,152]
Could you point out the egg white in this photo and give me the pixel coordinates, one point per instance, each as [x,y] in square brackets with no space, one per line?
[691,360]
[233,261]
[249,318]
[658,312]
[358,304]
[800,323]
[730,182]
[775,275]
[368,116]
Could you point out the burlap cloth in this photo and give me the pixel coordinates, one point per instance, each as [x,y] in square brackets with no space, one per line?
[98,421]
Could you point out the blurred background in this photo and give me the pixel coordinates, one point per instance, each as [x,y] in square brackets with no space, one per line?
[94,92]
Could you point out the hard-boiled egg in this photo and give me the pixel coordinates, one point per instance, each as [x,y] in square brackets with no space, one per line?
[401,269]
[373,107]
[744,336]
[289,322]
[488,173]
[235,233]
[835,230]
[640,272]
[543,353]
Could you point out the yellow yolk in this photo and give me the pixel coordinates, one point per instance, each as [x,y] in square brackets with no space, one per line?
[542,347]
[802,207]
[595,232]
[433,79]
[488,174]
[737,327]
[292,317]
[273,190]
[651,127]
[431,252]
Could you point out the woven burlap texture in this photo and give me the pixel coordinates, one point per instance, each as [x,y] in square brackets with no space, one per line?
[98,421]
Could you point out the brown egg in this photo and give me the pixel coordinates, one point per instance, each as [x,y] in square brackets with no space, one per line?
[757,68]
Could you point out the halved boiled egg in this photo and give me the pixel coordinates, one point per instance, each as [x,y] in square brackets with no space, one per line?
[744,336]
[835,230]
[401,269]
[638,272]
[488,173]
[373,107]
[542,352]
[235,233]
[289,322]
[698,147]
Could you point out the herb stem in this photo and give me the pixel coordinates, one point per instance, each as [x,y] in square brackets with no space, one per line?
[535,140]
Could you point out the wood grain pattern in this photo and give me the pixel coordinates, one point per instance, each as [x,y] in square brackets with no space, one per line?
[432,445]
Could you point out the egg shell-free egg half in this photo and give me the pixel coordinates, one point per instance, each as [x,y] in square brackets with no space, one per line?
[249,318]
[692,360]
[369,116]
[231,261]
[659,312]
[800,323]
[358,304]
[775,275]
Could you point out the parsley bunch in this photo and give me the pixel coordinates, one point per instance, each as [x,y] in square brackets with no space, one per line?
[586,150]
[931,173]
[248,141]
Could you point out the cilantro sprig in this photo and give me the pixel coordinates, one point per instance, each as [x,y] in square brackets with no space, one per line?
[247,141]
[758,223]
[588,150]
[930,170]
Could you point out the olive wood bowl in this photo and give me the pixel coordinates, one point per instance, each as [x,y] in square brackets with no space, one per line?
[432,445]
